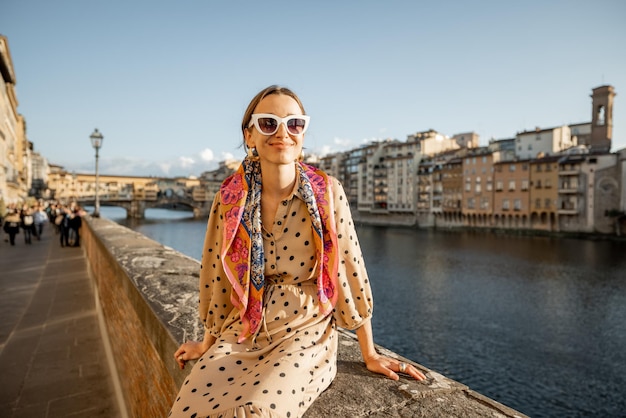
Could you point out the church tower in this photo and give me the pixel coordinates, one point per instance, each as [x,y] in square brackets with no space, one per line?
[602,118]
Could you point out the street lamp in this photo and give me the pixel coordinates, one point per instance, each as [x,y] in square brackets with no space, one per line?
[96,142]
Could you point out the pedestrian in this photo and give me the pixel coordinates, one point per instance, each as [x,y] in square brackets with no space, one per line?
[28,224]
[75,222]
[63,223]
[281,270]
[12,224]
[59,216]
[41,218]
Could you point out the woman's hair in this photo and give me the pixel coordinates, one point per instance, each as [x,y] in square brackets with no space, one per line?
[247,116]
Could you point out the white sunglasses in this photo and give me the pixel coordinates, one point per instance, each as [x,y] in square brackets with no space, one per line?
[267,124]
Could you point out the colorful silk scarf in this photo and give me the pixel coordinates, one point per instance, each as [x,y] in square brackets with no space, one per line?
[242,251]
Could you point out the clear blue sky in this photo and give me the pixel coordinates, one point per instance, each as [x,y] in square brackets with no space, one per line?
[167,82]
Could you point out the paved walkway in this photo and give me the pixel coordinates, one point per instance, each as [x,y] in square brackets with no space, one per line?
[52,359]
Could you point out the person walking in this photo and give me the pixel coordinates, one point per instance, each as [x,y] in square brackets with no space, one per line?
[28,224]
[41,217]
[63,223]
[12,224]
[75,222]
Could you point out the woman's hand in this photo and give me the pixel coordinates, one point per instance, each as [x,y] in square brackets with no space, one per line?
[381,364]
[191,350]
[391,367]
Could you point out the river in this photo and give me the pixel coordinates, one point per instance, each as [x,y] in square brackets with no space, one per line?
[536,323]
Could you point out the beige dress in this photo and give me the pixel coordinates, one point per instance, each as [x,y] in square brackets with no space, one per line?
[293,357]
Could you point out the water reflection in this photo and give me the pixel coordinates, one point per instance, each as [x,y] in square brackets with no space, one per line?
[536,323]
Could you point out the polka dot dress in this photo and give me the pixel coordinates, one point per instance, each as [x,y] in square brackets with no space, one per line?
[292,359]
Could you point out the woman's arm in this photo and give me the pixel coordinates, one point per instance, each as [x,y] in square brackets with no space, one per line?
[214,291]
[378,363]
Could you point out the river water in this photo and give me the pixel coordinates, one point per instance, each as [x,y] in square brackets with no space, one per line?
[536,323]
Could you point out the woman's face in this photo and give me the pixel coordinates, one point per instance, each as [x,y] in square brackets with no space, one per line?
[281,147]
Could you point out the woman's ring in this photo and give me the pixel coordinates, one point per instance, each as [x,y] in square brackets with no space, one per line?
[180,358]
[403,367]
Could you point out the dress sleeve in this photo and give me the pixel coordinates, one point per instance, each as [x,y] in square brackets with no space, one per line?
[354,301]
[215,289]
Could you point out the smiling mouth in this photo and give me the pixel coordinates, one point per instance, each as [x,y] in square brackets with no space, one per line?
[281,145]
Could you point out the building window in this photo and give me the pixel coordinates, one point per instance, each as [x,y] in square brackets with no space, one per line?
[537,203]
[600,116]
[517,204]
[499,185]
[512,168]
[470,203]
[505,204]
[524,185]
[547,203]
[511,185]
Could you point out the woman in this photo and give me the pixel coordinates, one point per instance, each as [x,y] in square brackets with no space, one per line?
[12,224]
[28,224]
[281,269]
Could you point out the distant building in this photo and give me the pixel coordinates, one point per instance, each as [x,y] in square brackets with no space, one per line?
[14,165]
[544,180]
[432,142]
[213,179]
[602,100]
[511,201]
[532,144]
[39,175]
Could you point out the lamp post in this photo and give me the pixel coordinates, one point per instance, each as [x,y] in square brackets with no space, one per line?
[96,142]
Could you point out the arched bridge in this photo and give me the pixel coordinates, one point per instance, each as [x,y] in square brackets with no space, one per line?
[136,197]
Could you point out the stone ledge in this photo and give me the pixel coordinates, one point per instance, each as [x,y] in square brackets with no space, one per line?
[162,286]
[356,392]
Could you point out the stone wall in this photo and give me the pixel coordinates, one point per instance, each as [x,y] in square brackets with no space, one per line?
[148,297]
[129,271]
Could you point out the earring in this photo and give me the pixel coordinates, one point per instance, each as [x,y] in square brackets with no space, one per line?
[301,156]
[253,154]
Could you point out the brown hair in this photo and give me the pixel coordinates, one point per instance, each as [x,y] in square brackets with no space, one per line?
[274,89]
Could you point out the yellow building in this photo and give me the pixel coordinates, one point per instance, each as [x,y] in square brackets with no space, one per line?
[544,178]
[478,182]
[511,203]
[452,193]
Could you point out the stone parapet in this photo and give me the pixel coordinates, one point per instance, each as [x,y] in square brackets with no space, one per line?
[148,296]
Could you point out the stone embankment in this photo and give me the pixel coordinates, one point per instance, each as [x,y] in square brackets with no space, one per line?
[148,298]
